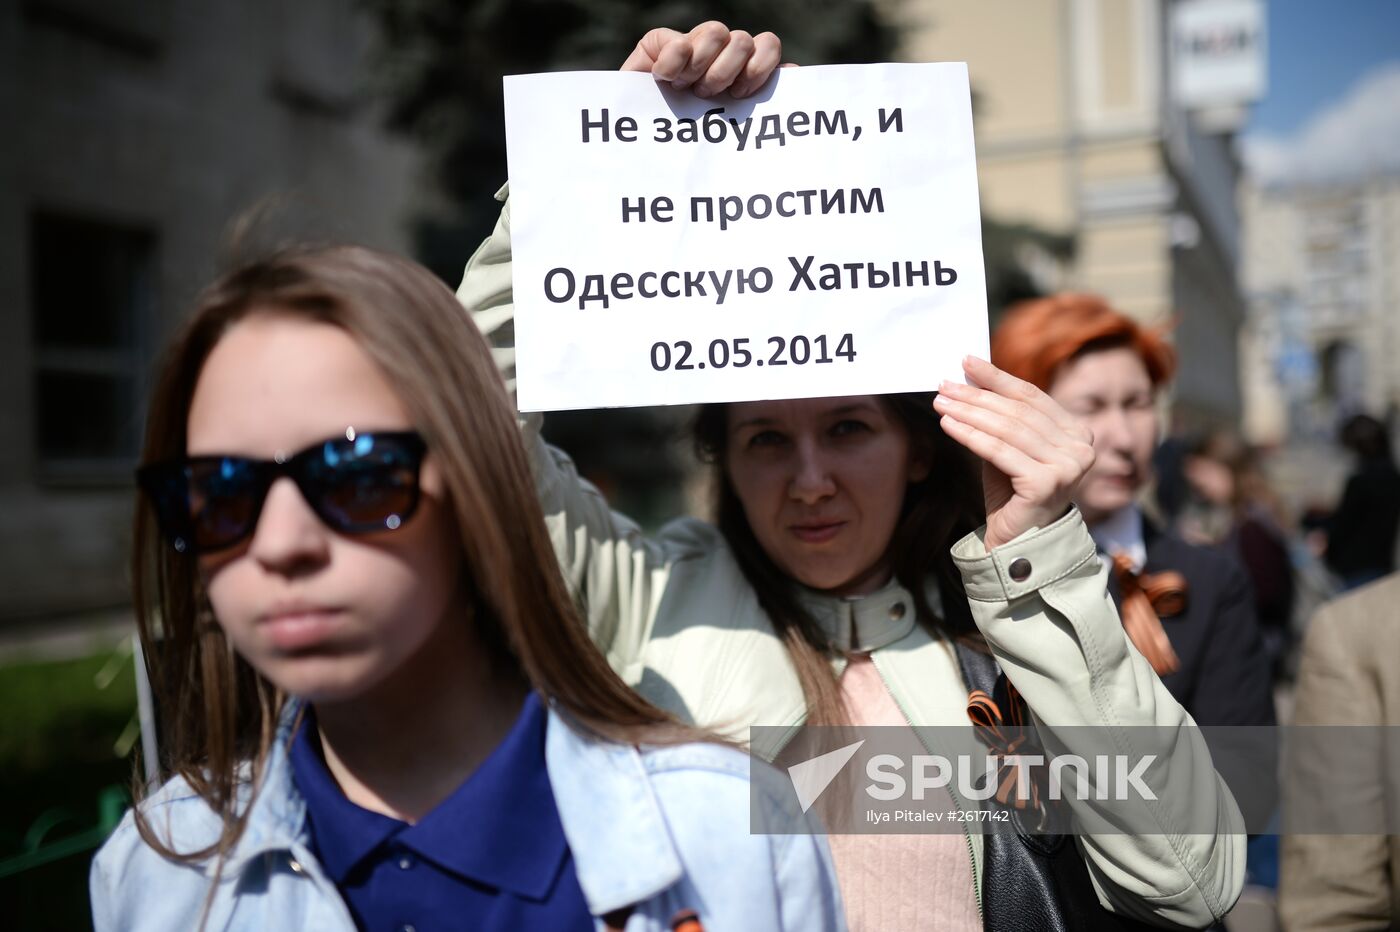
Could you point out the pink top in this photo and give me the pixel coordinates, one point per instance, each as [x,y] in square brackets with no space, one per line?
[894,881]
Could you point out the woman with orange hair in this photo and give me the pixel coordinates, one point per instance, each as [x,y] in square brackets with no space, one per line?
[1187,609]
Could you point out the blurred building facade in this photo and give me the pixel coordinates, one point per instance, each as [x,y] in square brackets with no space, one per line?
[137,132]
[1322,271]
[1080,133]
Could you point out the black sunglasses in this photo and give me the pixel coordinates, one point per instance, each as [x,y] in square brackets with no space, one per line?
[356,484]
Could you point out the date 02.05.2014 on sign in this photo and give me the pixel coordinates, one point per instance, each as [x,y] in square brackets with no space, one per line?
[781,351]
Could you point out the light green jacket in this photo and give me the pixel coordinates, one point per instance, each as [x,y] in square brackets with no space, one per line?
[678,621]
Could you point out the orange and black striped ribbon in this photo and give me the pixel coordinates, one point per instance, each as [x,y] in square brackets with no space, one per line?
[685,920]
[1006,735]
[1147,598]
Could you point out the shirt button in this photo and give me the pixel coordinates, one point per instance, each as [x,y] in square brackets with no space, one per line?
[407,927]
[295,865]
[405,863]
[897,611]
[1020,569]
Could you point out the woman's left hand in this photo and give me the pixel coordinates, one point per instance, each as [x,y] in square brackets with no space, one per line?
[1034,453]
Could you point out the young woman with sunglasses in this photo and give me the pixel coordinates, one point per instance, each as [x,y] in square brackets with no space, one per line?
[846,562]
[378,707]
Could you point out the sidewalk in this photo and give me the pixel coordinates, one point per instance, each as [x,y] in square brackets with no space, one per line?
[65,637]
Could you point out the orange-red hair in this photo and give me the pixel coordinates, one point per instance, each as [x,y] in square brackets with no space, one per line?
[1038,336]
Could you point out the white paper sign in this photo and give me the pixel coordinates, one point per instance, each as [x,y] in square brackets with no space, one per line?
[821,238]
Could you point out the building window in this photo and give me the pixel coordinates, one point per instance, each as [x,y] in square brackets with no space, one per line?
[92,292]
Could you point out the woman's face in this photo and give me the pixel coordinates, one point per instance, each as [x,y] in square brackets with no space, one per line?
[1111,392]
[322,615]
[821,481]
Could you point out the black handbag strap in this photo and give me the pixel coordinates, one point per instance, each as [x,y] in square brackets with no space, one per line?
[1018,888]
[1033,881]
[979,670]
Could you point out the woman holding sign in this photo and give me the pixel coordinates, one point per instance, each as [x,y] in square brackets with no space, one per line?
[846,564]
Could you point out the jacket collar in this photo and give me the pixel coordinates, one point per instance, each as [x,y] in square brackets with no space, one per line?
[277,818]
[1124,531]
[622,849]
[507,797]
[866,623]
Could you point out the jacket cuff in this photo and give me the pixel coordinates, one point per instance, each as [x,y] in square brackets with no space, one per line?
[1026,563]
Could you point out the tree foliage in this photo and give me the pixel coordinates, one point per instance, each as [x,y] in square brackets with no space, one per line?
[440,62]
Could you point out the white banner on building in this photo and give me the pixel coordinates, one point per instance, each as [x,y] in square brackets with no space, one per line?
[821,238]
[1218,53]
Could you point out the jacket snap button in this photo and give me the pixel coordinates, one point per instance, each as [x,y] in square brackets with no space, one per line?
[897,611]
[1020,569]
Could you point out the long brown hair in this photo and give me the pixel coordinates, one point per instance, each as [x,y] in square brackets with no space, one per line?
[216,712]
[936,512]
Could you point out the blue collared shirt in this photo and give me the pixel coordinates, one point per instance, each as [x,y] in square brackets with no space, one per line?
[490,856]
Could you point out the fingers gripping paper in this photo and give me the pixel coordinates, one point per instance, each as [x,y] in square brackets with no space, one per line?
[820,238]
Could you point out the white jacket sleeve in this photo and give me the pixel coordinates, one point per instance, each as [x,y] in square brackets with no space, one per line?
[1042,603]
[617,573]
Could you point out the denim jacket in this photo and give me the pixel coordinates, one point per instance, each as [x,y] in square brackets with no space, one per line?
[658,829]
